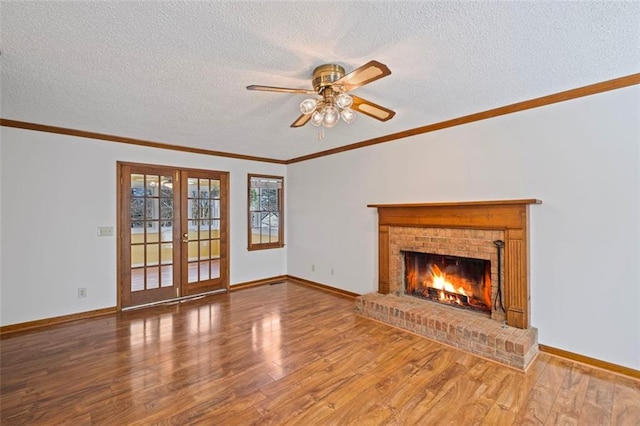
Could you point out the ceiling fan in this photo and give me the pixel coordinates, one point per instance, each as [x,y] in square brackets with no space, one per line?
[330,100]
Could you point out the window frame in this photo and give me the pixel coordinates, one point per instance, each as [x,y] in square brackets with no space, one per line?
[280,203]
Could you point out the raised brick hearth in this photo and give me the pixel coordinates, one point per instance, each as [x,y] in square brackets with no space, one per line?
[467,331]
[467,230]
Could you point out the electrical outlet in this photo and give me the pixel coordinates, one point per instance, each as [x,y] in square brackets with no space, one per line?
[331,271]
[313,268]
[82,292]
[105,231]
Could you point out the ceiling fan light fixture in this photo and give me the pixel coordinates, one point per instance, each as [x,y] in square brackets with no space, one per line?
[331,116]
[344,101]
[330,101]
[316,118]
[348,115]
[308,106]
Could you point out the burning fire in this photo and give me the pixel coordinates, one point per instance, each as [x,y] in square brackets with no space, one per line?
[448,292]
[440,282]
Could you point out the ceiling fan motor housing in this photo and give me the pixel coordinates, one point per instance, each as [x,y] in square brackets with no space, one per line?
[325,75]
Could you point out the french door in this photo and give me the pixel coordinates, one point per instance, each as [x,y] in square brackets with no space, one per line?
[173,226]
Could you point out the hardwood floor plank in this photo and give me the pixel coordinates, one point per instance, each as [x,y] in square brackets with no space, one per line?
[541,398]
[598,400]
[568,404]
[492,380]
[371,385]
[282,354]
[242,413]
[338,407]
[425,389]
[626,403]
[515,393]
[212,408]
[458,396]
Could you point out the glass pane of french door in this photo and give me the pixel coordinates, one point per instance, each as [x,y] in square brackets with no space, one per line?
[151,210]
[204,228]
[150,261]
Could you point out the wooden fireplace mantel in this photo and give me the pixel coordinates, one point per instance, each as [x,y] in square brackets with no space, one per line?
[511,216]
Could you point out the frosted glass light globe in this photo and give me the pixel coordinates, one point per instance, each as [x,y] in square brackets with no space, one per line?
[348,115]
[316,118]
[331,116]
[344,101]
[308,106]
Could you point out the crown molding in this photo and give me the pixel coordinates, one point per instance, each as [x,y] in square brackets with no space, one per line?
[131,141]
[592,89]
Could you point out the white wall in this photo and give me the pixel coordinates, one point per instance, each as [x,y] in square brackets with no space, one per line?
[56,190]
[580,157]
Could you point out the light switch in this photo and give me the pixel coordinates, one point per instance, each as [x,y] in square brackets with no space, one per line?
[105,231]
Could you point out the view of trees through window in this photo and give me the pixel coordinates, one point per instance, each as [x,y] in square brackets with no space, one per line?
[202,203]
[142,206]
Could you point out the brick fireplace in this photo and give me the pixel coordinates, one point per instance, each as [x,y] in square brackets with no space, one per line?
[468,229]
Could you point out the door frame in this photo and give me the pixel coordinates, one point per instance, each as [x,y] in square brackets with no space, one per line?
[224,227]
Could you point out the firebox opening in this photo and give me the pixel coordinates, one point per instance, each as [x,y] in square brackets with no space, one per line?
[452,280]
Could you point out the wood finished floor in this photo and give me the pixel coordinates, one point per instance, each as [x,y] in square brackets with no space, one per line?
[284,354]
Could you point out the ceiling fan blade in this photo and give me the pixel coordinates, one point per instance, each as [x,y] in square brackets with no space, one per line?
[371,71]
[301,121]
[372,110]
[280,89]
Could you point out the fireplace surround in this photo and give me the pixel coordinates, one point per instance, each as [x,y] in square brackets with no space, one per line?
[467,229]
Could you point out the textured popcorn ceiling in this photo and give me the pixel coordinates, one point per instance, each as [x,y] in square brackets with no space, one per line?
[176,71]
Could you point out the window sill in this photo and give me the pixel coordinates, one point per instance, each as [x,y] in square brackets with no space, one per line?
[265,247]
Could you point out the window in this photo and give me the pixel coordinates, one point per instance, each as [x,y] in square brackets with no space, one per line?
[266,225]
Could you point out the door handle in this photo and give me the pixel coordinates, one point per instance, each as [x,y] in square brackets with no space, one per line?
[185,237]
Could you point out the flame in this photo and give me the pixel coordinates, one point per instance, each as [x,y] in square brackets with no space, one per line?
[439,282]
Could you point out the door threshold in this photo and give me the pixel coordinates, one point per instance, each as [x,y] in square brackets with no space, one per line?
[175,300]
